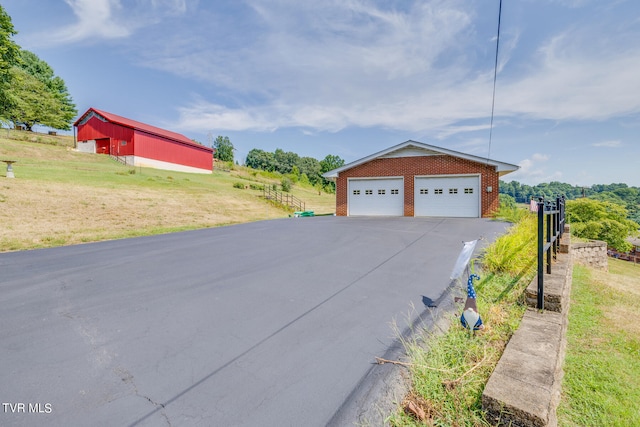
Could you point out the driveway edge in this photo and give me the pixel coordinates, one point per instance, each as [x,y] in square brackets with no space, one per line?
[384,386]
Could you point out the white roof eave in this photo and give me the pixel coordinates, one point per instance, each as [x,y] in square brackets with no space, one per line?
[501,167]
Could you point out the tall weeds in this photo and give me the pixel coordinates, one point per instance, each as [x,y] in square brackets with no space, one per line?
[513,252]
[449,370]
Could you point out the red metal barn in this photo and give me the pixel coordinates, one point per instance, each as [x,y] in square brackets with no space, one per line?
[139,144]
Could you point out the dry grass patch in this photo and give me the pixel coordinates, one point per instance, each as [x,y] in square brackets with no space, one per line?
[624,281]
[52,214]
[629,284]
[62,197]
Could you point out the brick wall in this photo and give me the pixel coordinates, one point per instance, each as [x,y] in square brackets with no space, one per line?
[408,167]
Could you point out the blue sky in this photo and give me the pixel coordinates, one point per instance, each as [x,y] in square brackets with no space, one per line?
[353,77]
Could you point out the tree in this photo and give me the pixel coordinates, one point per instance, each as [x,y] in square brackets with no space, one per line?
[259,159]
[30,101]
[606,221]
[330,162]
[224,149]
[38,96]
[310,168]
[285,161]
[9,57]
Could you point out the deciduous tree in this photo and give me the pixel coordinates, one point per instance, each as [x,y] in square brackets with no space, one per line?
[38,96]
[9,56]
[598,220]
[224,149]
[330,162]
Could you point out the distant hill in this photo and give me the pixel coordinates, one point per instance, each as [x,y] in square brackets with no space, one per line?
[620,193]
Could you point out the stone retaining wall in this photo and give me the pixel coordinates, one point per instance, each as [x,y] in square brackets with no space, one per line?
[592,254]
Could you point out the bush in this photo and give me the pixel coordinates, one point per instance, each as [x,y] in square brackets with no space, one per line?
[606,221]
[239,185]
[286,184]
[507,202]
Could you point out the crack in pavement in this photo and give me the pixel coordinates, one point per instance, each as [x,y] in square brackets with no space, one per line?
[287,325]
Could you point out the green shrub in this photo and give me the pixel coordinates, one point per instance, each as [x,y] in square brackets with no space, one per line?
[286,184]
[239,185]
[507,202]
[593,219]
[304,179]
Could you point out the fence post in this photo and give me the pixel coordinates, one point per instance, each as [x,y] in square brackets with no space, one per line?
[540,254]
[548,252]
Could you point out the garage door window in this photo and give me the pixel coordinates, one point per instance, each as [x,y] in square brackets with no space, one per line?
[356,192]
[381,192]
[438,191]
[468,191]
[424,191]
[368,192]
[395,191]
[453,191]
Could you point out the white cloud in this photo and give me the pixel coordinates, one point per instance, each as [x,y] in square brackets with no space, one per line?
[574,81]
[332,65]
[537,157]
[172,6]
[205,116]
[326,66]
[534,170]
[608,144]
[98,20]
[94,19]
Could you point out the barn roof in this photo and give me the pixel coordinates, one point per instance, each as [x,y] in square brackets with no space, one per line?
[415,148]
[114,118]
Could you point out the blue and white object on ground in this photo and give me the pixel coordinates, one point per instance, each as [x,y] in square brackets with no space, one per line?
[470,317]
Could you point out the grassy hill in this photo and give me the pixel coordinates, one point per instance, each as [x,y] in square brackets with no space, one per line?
[62,197]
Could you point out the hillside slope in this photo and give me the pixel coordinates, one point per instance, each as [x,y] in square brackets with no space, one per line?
[62,197]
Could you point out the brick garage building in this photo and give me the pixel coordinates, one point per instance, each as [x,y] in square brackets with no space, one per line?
[416,179]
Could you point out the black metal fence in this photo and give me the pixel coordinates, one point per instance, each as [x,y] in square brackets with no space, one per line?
[551,218]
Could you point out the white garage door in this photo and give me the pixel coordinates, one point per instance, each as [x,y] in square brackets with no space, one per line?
[453,196]
[383,196]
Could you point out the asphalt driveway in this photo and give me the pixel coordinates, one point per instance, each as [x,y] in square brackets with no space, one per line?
[271,323]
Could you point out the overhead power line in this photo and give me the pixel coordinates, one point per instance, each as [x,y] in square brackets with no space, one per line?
[495,77]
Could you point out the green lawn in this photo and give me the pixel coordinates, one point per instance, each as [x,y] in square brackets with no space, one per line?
[601,386]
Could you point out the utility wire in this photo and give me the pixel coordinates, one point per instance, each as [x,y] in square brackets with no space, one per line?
[495,77]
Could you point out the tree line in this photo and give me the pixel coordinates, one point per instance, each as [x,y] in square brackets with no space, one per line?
[30,92]
[619,194]
[304,169]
